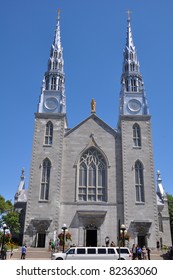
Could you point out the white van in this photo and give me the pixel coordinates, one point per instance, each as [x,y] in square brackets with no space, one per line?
[94,253]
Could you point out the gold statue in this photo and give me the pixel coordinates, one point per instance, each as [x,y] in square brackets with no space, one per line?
[93,106]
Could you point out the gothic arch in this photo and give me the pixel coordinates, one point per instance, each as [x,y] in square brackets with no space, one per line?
[139,181]
[48,139]
[45,179]
[92,175]
[136,135]
[160,222]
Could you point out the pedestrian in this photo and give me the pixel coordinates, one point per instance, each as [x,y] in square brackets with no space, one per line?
[50,242]
[57,244]
[4,252]
[139,252]
[11,253]
[134,252]
[23,252]
[53,246]
[107,240]
[148,253]
[144,253]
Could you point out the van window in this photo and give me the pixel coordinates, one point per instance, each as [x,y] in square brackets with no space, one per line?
[71,251]
[123,250]
[111,251]
[91,250]
[101,251]
[81,251]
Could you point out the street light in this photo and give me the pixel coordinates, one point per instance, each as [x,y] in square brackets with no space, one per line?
[64,228]
[122,230]
[3,241]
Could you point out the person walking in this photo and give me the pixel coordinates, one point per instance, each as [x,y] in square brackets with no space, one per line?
[134,252]
[53,246]
[144,253]
[148,253]
[11,253]
[139,252]
[4,252]
[23,252]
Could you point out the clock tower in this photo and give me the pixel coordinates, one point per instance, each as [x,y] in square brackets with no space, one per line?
[137,154]
[43,205]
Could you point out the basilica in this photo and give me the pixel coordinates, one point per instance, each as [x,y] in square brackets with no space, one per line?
[93,178]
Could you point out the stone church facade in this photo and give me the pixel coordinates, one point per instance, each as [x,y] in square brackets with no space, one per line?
[93,177]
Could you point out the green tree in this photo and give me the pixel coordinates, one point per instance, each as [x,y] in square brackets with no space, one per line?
[12,220]
[170,207]
[8,215]
[5,205]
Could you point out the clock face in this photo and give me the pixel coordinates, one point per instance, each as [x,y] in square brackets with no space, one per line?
[51,103]
[134,105]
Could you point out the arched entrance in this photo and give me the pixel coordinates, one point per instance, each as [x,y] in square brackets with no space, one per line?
[40,231]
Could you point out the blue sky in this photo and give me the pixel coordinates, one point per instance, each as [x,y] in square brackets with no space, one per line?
[93,36]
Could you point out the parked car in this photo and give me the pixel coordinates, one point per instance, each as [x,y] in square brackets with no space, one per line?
[94,253]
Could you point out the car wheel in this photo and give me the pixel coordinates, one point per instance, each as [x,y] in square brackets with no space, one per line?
[59,259]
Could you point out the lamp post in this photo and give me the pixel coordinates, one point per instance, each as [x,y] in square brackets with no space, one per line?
[3,241]
[122,230]
[64,228]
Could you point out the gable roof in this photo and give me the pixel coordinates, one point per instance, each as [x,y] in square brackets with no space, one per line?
[100,122]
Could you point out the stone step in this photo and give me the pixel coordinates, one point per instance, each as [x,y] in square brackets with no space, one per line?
[32,253]
[44,254]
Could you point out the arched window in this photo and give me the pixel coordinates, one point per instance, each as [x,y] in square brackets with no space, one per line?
[47,82]
[160,222]
[55,65]
[48,134]
[131,55]
[133,84]
[53,83]
[55,54]
[139,181]
[45,180]
[126,85]
[132,67]
[60,66]
[92,176]
[136,135]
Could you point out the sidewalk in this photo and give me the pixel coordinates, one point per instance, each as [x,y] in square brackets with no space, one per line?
[44,254]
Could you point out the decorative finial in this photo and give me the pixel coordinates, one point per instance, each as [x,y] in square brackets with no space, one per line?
[23,174]
[93,106]
[128,14]
[59,12]
[158,174]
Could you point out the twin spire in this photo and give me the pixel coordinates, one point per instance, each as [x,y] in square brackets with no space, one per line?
[53,99]
[132,96]
[131,77]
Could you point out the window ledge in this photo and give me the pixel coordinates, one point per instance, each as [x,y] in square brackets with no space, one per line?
[43,201]
[139,203]
[47,145]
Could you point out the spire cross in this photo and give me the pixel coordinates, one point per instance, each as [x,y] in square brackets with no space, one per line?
[128,14]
